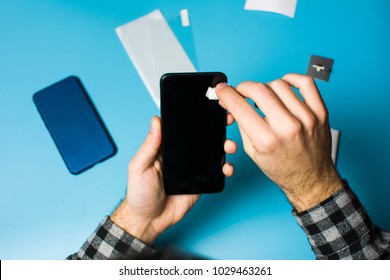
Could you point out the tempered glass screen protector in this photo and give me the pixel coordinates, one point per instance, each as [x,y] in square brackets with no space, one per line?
[194,132]
[74,124]
[154,50]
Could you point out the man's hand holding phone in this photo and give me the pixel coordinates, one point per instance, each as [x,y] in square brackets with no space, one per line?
[147,211]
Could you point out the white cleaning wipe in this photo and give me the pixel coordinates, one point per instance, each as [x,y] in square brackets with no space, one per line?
[154,50]
[211,94]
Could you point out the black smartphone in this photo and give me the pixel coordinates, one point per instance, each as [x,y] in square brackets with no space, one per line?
[74,124]
[194,132]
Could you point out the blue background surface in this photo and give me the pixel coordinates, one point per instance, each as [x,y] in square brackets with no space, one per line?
[47,213]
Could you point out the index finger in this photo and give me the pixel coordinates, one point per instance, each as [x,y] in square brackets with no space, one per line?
[241,110]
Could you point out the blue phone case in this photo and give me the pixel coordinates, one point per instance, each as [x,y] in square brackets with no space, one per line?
[74,124]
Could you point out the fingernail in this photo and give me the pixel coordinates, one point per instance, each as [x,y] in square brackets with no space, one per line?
[221,85]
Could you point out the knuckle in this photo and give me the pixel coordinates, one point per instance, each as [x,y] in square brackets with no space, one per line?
[243,85]
[277,83]
[308,81]
[293,127]
[310,121]
[259,87]
[323,116]
[268,143]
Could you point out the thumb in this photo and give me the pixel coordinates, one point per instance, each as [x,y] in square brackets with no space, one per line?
[150,149]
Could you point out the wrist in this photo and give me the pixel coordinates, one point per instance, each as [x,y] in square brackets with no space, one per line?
[139,228]
[312,192]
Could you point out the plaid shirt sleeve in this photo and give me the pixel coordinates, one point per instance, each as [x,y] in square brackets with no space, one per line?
[110,242]
[339,228]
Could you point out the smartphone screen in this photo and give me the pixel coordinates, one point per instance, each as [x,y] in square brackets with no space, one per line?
[194,132]
[74,124]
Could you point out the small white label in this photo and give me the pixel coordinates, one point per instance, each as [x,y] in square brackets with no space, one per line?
[185,19]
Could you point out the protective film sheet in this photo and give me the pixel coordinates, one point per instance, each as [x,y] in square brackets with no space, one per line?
[154,50]
[182,28]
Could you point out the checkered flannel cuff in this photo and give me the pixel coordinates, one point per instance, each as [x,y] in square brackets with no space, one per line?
[339,228]
[111,242]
